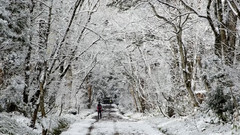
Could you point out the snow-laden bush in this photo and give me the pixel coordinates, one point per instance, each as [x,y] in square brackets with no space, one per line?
[221,103]
[10,126]
[14,41]
[222,95]
[57,124]
[61,126]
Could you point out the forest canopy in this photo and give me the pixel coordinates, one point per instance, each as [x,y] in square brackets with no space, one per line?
[169,56]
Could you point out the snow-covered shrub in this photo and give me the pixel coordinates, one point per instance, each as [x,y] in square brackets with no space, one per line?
[14,39]
[222,88]
[221,103]
[55,124]
[10,126]
[62,126]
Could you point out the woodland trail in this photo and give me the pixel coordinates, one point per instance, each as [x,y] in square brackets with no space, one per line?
[112,123]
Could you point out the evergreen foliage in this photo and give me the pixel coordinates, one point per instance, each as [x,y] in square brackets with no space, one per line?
[221,103]
[14,19]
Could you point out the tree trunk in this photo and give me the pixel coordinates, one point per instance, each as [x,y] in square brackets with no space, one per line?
[229,50]
[42,91]
[134,98]
[28,58]
[224,30]
[141,99]
[27,75]
[89,96]
[61,109]
[186,79]
[1,74]
[142,104]
[44,131]
[175,74]
[42,43]
[217,44]
[34,117]
[134,95]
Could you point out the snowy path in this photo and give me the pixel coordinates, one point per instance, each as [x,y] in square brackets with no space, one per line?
[112,123]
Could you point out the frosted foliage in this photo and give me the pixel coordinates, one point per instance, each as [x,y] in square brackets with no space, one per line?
[224,95]
[14,40]
[217,73]
[9,125]
[221,103]
[154,56]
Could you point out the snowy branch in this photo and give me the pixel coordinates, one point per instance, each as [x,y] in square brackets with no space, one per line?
[192,9]
[167,4]
[161,17]
[93,32]
[43,3]
[87,48]
[94,61]
[94,9]
[56,51]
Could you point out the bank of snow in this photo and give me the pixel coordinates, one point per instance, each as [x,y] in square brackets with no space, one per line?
[16,124]
[198,124]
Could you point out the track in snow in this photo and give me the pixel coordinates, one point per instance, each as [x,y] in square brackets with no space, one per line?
[112,123]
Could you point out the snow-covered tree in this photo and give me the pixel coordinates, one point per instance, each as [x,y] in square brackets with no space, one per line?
[14,23]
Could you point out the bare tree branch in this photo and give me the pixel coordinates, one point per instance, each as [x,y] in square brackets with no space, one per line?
[88,21]
[43,3]
[87,48]
[185,19]
[86,77]
[192,9]
[78,4]
[69,64]
[161,17]
[169,5]
[210,19]
[71,59]
[94,32]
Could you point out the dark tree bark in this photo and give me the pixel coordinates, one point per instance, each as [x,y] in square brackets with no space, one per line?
[34,117]
[222,17]
[226,32]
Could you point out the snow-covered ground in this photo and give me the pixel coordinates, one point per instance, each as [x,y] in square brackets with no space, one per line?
[16,124]
[112,123]
[191,126]
[115,123]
